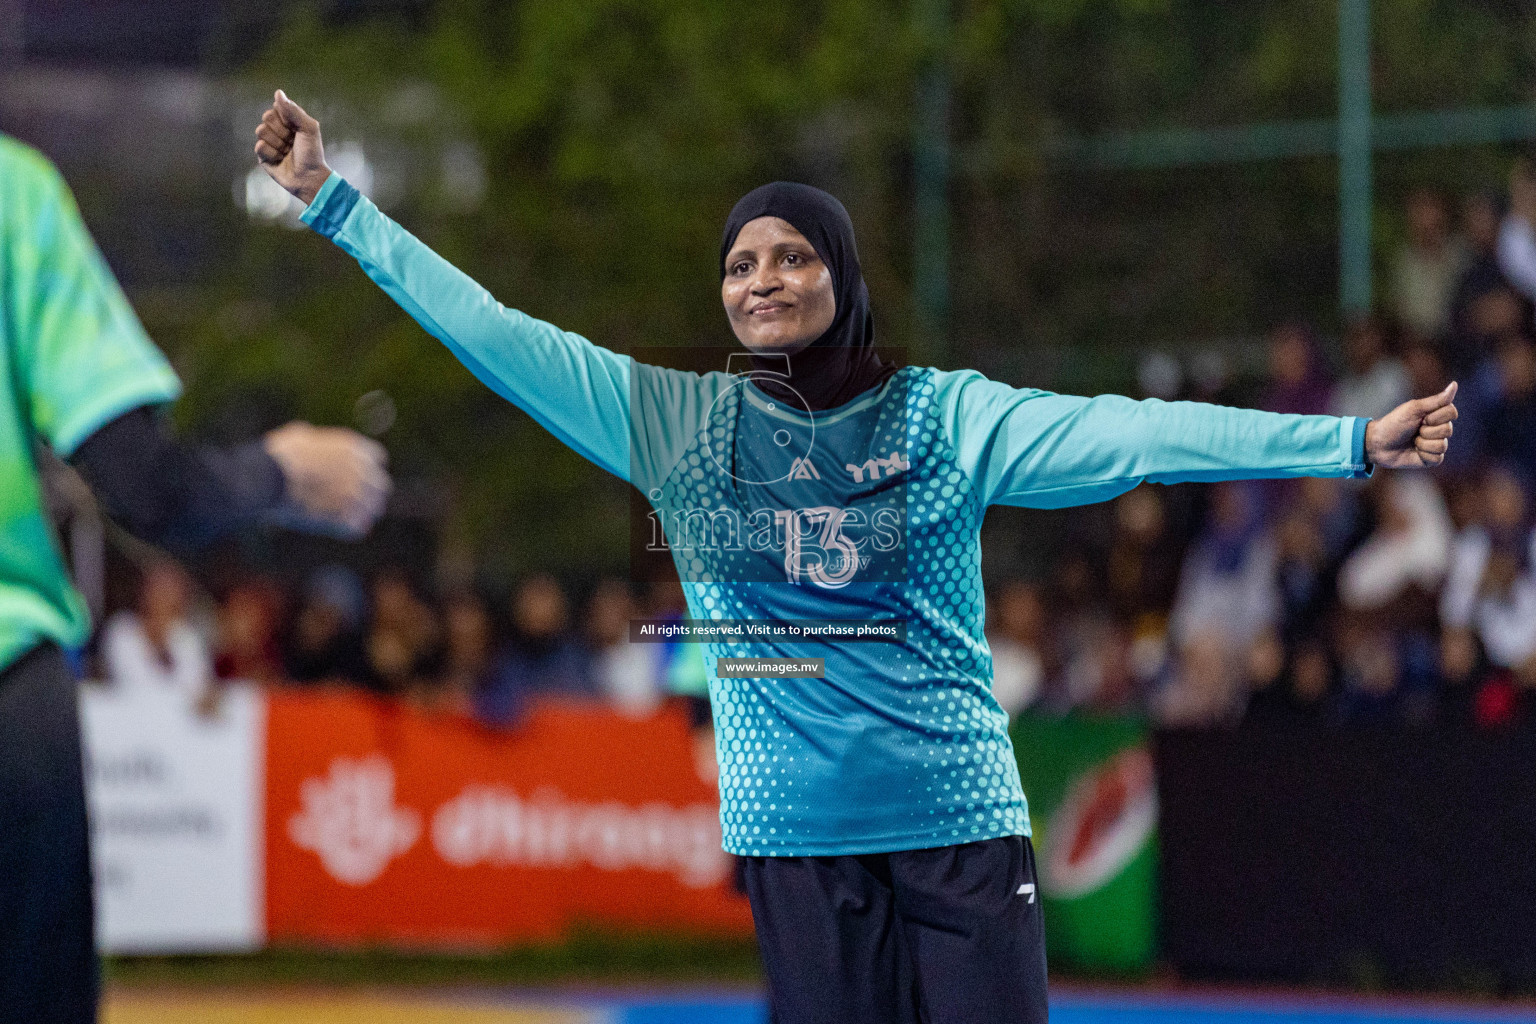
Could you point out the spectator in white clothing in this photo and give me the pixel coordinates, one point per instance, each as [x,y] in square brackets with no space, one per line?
[1385,634]
[1428,268]
[1016,634]
[1490,593]
[1377,381]
[1226,614]
[627,674]
[154,647]
[1410,546]
[1517,235]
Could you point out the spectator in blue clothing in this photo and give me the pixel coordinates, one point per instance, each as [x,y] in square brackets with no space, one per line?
[1481,214]
[1512,421]
[1299,380]
[539,658]
[327,641]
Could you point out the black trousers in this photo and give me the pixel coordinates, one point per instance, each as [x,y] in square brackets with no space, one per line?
[48,968]
[945,936]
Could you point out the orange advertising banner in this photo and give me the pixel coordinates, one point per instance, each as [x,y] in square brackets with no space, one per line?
[389,825]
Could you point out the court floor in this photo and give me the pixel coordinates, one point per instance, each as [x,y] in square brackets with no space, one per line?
[489,1006]
[240,1007]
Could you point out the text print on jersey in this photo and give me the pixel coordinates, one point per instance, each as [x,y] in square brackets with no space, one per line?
[891,464]
[753,487]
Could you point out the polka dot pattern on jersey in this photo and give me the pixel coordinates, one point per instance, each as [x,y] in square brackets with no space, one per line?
[899,746]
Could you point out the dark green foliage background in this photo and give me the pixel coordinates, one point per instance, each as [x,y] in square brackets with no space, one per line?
[617,133]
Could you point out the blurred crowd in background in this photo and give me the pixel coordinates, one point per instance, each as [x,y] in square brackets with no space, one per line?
[1403,598]
[459,652]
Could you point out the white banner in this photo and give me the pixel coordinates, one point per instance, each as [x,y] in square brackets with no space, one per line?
[176,797]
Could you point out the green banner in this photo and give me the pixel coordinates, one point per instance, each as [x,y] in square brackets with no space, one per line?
[1093,809]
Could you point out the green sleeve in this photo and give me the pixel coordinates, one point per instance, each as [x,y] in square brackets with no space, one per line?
[81,356]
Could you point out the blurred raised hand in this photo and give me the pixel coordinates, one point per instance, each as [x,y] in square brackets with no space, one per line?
[1415,435]
[289,147]
[336,477]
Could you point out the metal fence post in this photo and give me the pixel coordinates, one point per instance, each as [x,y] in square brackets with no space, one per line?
[1355,156]
[930,209]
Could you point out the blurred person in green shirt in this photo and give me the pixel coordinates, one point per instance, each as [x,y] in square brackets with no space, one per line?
[79,375]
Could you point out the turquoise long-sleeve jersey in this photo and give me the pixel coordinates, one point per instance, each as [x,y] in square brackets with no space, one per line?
[871,511]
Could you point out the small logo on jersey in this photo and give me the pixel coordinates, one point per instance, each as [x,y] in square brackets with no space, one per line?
[870,468]
[1027,889]
[803,469]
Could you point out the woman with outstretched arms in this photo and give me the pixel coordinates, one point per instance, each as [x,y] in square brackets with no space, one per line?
[875,796]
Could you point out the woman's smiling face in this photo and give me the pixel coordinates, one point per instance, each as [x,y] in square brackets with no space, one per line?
[777,292]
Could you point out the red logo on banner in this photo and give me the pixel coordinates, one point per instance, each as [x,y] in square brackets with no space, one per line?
[387,824]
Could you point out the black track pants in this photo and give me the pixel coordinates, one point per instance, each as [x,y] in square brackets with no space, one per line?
[48,969]
[945,936]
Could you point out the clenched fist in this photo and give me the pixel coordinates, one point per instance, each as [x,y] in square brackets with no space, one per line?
[336,477]
[288,146]
[1415,435]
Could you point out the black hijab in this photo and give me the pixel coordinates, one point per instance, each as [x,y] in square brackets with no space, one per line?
[841,364]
